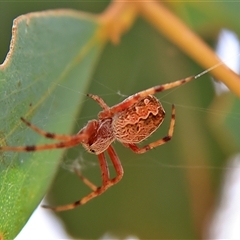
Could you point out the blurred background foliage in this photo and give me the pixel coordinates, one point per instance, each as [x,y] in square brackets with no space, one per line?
[169,192]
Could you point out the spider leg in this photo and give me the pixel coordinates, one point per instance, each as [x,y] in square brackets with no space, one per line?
[85,180]
[117,165]
[46,134]
[73,141]
[99,100]
[160,88]
[106,181]
[159,142]
[150,91]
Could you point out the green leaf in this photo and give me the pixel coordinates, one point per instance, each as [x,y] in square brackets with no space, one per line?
[50,52]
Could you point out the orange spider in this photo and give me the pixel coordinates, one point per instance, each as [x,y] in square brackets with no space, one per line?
[129,122]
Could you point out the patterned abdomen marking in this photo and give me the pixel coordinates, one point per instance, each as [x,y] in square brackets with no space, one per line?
[139,121]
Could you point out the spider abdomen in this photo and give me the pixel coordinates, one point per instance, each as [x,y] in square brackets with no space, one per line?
[139,121]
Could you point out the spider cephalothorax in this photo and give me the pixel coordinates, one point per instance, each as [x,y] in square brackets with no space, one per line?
[102,136]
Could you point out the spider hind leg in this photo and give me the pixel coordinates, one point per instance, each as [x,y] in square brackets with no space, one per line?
[106,181]
[159,142]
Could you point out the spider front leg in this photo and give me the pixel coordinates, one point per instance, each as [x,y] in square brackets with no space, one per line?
[46,134]
[67,141]
[106,181]
[159,142]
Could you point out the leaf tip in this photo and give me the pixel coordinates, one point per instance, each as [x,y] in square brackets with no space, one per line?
[27,18]
[12,42]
